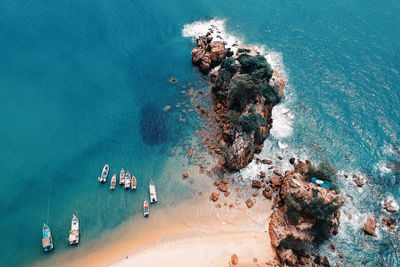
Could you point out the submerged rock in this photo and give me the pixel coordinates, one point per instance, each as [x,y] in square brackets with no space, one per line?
[358,180]
[389,223]
[153,125]
[389,206]
[234,259]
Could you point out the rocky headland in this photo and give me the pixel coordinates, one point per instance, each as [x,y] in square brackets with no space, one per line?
[245,89]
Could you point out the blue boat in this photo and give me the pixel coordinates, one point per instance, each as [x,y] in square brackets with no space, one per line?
[47,240]
[321,183]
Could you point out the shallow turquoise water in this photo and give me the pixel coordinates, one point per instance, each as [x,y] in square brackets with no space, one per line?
[76,77]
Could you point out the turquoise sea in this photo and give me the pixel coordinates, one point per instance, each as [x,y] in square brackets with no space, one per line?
[84,83]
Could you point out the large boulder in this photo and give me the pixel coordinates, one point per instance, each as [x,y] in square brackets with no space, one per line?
[370,226]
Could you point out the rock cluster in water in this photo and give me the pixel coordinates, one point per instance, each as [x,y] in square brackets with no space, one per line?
[245,90]
[306,213]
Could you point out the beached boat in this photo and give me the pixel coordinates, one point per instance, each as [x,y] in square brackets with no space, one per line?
[122,177]
[104,174]
[47,240]
[146,210]
[133,182]
[74,233]
[127,180]
[153,195]
[113,182]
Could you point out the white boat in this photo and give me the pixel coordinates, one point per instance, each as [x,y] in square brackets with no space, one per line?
[153,195]
[113,182]
[133,182]
[146,210]
[122,177]
[74,233]
[127,180]
[47,240]
[104,174]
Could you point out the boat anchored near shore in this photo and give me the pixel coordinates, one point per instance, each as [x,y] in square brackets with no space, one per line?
[74,232]
[122,177]
[127,180]
[146,210]
[113,183]
[133,182]
[104,174]
[153,194]
[47,240]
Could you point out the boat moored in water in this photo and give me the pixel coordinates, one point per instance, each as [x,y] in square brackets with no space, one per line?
[153,195]
[133,182]
[47,240]
[113,182]
[127,180]
[104,174]
[74,232]
[122,177]
[146,209]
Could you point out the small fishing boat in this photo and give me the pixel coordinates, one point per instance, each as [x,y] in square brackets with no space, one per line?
[47,240]
[153,195]
[122,177]
[113,182]
[146,209]
[74,233]
[104,174]
[133,182]
[127,180]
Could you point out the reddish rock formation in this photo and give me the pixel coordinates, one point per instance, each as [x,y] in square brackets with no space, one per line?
[267,194]
[224,181]
[389,223]
[214,196]
[249,203]
[290,231]
[388,205]
[267,161]
[223,188]
[185,175]
[370,226]
[275,181]
[256,183]
[234,259]
[240,144]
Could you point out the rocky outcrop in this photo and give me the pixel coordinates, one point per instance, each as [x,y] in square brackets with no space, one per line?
[370,226]
[389,206]
[245,90]
[389,223]
[208,54]
[295,224]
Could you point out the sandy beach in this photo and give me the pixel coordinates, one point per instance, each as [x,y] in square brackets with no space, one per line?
[193,233]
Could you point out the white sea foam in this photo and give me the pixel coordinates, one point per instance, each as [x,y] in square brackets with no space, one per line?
[282,117]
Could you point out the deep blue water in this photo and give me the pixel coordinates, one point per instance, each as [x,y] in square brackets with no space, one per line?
[81,84]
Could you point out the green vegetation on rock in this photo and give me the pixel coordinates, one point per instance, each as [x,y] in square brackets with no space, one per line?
[252,122]
[229,65]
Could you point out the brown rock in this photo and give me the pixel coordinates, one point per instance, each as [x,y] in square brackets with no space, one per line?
[185,175]
[224,181]
[280,157]
[358,180]
[223,188]
[214,196]
[191,152]
[234,259]
[227,193]
[267,161]
[174,80]
[256,183]
[389,223]
[276,181]
[267,194]
[277,172]
[262,174]
[340,255]
[255,260]
[218,206]
[325,262]
[292,160]
[336,265]
[255,194]
[332,246]
[370,226]
[249,203]
[388,205]
[216,183]
[201,169]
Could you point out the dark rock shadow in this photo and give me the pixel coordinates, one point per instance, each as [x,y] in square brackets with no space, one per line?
[153,125]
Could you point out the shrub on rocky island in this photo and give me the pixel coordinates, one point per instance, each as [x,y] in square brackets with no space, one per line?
[297,245]
[229,65]
[252,122]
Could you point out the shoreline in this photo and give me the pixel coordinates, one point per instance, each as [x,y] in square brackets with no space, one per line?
[216,231]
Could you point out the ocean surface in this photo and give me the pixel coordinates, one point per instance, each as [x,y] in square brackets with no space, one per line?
[84,83]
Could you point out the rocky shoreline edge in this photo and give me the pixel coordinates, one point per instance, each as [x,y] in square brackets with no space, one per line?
[245,88]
